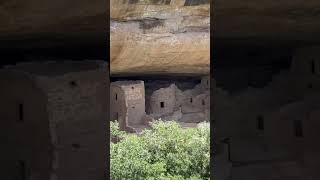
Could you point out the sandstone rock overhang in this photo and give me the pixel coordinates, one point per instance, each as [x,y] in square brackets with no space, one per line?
[45,23]
[159,39]
[289,23]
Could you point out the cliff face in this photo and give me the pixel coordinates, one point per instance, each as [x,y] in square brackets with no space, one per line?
[164,38]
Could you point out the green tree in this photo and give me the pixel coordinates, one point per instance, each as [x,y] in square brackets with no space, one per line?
[166,151]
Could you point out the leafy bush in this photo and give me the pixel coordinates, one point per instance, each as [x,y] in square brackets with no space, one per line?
[165,152]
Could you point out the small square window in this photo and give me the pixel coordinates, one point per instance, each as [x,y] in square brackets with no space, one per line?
[22,170]
[73,84]
[162,104]
[260,123]
[313,69]
[21,113]
[116,116]
[298,128]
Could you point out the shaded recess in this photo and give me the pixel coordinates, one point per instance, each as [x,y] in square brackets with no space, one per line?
[149,1]
[162,81]
[149,23]
[248,66]
[40,30]
[16,53]
[196,2]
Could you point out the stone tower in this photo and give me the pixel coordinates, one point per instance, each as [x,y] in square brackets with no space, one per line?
[54,120]
[127,103]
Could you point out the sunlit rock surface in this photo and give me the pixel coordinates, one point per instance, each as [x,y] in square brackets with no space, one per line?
[159,38]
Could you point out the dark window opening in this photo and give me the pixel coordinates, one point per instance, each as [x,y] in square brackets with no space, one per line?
[22,170]
[203,103]
[76,145]
[133,107]
[73,84]
[116,96]
[260,123]
[313,67]
[116,116]
[298,128]
[207,82]
[162,104]
[191,100]
[132,87]
[21,113]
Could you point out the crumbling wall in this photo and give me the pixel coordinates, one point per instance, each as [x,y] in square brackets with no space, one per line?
[163,101]
[191,105]
[246,108]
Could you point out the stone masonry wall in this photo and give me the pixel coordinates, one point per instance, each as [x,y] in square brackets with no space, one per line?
[24,133]
[135,99]
[118,106]
[77,107]
[163,101]
[191,105]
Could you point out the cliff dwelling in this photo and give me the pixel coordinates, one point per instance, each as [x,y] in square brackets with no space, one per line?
[266,105]
[267,98]
[61,107]
[135,103]
[161,49]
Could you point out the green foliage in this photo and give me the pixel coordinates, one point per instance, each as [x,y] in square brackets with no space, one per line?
[165,152]
[115,130]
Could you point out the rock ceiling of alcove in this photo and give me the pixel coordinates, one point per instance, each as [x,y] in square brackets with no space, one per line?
[46,23]
[285,22]
[159,39]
